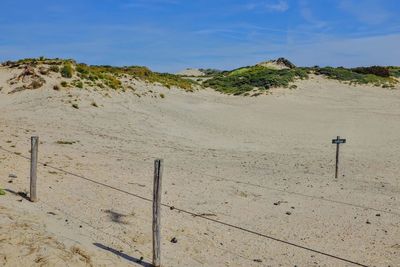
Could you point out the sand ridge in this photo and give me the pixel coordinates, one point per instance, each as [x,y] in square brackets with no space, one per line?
[247,161]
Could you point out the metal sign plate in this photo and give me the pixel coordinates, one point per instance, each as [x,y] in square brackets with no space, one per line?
[338,141]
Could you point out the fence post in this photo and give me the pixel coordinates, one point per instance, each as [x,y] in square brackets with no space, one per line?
[34,159]
[158,169]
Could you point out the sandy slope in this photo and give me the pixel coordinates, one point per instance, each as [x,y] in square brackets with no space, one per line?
[228,157]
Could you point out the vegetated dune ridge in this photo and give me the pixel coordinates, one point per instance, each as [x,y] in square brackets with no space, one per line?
[263,163]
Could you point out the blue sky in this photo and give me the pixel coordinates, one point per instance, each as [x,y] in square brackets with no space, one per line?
[170,35]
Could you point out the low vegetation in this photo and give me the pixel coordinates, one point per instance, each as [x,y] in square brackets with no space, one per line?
[246,79]
[377,76]
[102,76]
[394,71]
[210,72]
[111,76]
[251,80]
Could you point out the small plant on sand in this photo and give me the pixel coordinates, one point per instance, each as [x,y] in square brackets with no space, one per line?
[64,84]
[54,68]
[56,87]
[79,84]
[2,192]
[162,95]
[75,106]
[63,142]
[67,70]
[94,104]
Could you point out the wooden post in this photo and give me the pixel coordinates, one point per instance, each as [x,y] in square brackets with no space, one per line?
[34,160]
[158,169]
[337,158]
[337,141]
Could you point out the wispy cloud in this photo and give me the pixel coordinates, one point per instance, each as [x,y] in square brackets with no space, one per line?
[349,52]
[309,16]
[367,11]
[280,6]
[270,6]
[144,3]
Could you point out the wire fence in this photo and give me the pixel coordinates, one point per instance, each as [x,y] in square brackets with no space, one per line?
[193,214]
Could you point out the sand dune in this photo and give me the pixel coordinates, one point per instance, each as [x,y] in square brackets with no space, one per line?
[263,163]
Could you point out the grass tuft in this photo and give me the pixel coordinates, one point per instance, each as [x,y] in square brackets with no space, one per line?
[67,70]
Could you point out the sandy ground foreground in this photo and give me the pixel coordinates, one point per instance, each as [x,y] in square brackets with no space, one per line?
[265,164]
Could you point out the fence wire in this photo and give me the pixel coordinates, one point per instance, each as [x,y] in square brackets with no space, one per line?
[196,215]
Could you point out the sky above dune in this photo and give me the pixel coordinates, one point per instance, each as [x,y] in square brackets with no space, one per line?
[170,35]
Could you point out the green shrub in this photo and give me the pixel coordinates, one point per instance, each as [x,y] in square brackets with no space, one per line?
[67,70]
[162,95]
[64,84]
[394,71]
[246,79]
[2,192]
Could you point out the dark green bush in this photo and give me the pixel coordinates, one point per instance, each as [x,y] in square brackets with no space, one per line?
[375,70]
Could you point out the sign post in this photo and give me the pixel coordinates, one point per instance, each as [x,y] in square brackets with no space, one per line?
[337,141]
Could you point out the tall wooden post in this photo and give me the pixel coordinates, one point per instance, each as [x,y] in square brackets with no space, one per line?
[34,160]
[158,169]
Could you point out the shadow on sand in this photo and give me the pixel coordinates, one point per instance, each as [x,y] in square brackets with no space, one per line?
[123,255]
[21,194]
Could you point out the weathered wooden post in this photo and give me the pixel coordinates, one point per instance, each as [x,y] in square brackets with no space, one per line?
[158,169]
[34,160]
[337,141]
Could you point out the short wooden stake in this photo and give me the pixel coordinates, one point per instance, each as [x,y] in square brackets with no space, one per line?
[158,169]
[34,160]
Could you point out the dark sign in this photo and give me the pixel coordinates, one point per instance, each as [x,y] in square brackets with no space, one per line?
[338,141]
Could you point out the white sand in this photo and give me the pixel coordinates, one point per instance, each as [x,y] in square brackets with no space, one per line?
[233,157]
